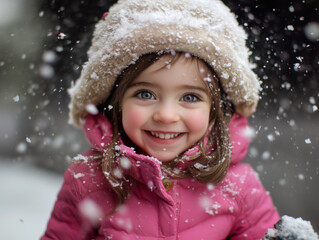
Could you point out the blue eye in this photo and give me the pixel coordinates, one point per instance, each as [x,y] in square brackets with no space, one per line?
[190,98]
[145,95]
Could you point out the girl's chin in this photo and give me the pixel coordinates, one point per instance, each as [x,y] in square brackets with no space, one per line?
[165,157]
[161,156]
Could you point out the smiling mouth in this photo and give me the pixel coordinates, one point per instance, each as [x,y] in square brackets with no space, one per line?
[165,136]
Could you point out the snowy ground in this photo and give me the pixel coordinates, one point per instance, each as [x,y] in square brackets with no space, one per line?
[27,197]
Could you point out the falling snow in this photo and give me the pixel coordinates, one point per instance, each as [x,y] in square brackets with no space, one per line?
[290,28]
[92,109]
[125,163]
[49,57]
[91,211]
[21,148]
[307,140]
[78,175]
[249,132]
[270,137]
[46,71]
[301,176]
[37,69]
[312,31]
[61,36]
[265,155]
[16,98]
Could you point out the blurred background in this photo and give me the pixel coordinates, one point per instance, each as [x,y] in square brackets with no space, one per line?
[43,45]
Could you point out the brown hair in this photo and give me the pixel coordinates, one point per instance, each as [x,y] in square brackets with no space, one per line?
[210,166]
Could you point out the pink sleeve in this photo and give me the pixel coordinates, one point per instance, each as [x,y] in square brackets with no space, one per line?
[65,221]
[258,212]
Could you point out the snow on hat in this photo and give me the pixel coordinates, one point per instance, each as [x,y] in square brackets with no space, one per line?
[205,28]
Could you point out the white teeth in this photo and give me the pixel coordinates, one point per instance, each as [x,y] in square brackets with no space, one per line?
[164,135]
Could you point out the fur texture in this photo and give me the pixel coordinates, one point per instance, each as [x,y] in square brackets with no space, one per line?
[204,28]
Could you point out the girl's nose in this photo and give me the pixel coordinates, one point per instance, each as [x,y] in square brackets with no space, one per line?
[166,113]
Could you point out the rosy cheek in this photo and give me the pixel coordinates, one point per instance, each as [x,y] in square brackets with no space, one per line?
[131,118]
[198,122]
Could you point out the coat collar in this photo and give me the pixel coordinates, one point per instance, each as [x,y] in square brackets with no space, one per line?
[146,169]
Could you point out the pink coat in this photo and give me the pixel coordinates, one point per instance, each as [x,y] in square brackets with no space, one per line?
[237,208]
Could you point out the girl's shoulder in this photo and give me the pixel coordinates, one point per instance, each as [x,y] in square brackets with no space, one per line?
[256,211]
[87,174]
[241,180]
[84,179]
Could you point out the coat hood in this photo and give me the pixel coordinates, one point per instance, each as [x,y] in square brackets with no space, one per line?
[205,28]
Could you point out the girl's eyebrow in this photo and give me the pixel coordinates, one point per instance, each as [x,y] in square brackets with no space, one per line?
[148,84]
[198,88]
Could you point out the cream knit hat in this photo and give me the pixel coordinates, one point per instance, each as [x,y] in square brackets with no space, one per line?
[205,28]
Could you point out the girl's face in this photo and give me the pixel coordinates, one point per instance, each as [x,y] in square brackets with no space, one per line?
[165,110]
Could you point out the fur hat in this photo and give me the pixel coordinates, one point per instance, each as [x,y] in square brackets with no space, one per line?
[205,28]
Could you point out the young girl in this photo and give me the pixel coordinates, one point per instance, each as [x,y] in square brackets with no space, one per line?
[163,100]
